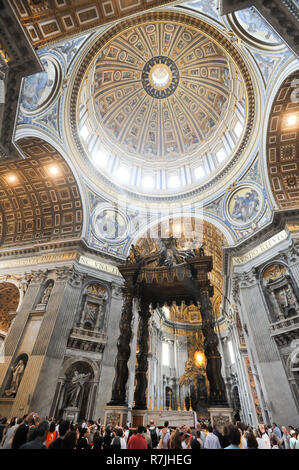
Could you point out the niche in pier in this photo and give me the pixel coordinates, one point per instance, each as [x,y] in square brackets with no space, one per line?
[280,291]
[93,307]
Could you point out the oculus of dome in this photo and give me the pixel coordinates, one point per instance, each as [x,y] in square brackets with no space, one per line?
[160,77]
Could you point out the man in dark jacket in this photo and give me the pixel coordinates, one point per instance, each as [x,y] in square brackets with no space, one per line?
[40,437]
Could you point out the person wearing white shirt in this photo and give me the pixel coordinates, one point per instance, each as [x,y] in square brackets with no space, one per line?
[211,440]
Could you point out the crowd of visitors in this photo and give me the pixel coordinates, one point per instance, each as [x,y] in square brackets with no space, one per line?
[34,432]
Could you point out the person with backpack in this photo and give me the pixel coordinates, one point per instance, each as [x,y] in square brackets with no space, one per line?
[116,442]
[153,430]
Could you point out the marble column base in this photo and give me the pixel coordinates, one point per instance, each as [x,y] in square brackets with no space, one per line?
[115,415]
[220,417]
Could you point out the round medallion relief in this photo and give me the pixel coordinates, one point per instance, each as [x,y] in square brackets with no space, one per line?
[244,205]
[110,224]
[40,88]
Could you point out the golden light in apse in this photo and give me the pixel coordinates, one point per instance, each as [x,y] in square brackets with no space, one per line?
[199,358]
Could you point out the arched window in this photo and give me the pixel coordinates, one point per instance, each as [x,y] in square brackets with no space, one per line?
[165,354]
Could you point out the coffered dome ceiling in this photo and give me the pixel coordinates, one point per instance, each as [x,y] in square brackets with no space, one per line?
[159,91]
[161,106]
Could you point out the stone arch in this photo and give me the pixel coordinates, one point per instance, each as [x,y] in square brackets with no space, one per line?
[84,403]
[37,205]
[282,147]
[9,303]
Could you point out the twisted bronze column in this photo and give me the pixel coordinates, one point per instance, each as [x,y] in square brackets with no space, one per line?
[142,358]
[123,352]
[213,369]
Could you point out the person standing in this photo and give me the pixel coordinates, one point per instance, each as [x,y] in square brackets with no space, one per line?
[211,440]
[294,440]
[40,436]
[2,427]
[154,434]
[137,441]
[52,434]
[234,437]
[202,434]
[265,437]
[285,440]
[251,440]
[63,429]
[166,435]
[148,438]
[274,441]
[197,443]
[83,442]
[276,430]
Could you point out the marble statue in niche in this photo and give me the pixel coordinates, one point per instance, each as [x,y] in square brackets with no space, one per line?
[286,298]
[45,296]
[93,307]
[47,293]
[90,314]
[17,372]
[280,292]
[74,388]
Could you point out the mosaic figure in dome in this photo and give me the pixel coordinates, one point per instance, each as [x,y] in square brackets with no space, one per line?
[245,207]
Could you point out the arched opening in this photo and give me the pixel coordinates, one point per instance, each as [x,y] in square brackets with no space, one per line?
[9,301]
[77,392]
[46,193]
[283,144]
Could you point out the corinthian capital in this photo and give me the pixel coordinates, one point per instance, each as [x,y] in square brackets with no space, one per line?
[76,278]
[63,273]
[116,291]
[38,276]
[249,279]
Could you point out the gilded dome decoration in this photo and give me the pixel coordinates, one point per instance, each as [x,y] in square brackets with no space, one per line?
[142,100]
[161,105]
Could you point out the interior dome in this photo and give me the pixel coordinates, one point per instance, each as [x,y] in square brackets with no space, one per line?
[161,106]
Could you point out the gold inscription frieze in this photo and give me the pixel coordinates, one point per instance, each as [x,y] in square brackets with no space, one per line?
[66,256]
[265,246]
[34,260]
[98,265]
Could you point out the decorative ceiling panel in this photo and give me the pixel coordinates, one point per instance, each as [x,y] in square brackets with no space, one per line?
[46,21]
[39,197]
[283,144]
